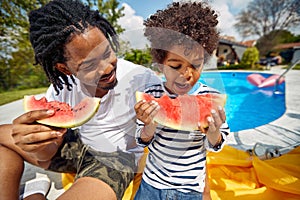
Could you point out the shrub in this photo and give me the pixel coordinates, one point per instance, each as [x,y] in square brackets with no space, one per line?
[250,57]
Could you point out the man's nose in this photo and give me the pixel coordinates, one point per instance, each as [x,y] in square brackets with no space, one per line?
[105,68]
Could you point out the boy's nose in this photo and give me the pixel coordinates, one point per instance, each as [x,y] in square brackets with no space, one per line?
[187,73]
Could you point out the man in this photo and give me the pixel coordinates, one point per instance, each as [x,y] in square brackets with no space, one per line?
[75,46]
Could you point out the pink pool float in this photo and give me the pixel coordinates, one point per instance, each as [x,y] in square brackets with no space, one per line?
[261,82]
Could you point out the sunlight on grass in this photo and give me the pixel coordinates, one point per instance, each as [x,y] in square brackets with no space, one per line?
[7,97]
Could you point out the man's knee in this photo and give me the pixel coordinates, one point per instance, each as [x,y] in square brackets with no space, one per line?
[100,190]
[5,134]
[10,160]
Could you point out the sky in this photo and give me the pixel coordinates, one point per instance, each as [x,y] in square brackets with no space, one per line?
[138,10]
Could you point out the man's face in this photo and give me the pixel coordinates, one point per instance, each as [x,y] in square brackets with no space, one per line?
[91,59]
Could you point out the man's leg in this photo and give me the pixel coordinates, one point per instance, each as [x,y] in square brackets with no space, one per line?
[106,175]
[37,196]
[11,166]
[11,169]
[89,188]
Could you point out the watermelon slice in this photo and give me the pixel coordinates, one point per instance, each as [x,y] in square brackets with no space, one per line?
[185,111]
[65,116]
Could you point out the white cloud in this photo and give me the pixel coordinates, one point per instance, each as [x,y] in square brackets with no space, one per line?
[226,19]
[238,4]
[134,23]
[133,26]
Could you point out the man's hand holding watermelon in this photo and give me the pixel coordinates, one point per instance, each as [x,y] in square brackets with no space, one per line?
[33,137]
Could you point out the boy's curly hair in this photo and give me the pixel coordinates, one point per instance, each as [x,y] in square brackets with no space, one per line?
[194,20]
[52,27]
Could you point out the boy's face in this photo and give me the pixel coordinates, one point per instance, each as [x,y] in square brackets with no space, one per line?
[182,71]
[91,59]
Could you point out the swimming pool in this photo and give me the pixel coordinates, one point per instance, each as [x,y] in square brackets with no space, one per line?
[247,106]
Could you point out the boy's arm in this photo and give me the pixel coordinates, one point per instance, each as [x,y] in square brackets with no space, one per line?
[145,135]
[145,111]
[218,130]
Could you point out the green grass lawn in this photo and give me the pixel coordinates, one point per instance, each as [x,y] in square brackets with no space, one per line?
[7,97]
[297,67]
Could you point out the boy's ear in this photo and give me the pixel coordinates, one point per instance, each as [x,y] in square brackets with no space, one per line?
[161,67]
[158,66]
[63,68]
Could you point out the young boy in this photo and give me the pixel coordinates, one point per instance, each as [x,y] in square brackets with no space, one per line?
[182,37]
[76,47]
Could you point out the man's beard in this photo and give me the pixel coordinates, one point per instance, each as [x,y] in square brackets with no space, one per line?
[110,86]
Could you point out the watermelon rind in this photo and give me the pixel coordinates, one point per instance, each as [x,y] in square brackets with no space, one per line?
[65,116]
[185,111]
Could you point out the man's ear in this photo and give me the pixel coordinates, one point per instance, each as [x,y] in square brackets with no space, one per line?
[63,68]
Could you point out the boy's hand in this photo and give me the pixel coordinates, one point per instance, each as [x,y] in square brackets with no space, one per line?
[145,111]
[216,121]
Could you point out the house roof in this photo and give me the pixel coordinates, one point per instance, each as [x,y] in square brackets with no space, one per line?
[230,42]
[236,46]
[288,45]
[249,43]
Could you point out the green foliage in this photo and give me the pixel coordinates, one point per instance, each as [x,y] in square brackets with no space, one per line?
[293,39]
[297,67]
[266,43]
[110,10]
[235,67]
[264,16]
[14,22]
[16,54]
[138,56]
[250,57]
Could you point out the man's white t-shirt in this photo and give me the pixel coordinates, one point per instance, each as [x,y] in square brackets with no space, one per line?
[114,125]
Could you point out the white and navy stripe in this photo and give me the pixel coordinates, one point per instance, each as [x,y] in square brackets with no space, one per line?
[177,158]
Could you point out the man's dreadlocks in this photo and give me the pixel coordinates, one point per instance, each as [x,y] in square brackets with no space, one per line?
[51,28]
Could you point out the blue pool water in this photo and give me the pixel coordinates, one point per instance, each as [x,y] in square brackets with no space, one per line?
[247,106]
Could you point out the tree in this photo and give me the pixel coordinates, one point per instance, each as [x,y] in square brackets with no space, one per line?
[138,56]
[250,57]
[16,54]
[110,10]
[14,23]
[264,16]
[266,43]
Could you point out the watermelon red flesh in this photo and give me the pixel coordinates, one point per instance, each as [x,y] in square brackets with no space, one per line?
[65,116]
[185,111]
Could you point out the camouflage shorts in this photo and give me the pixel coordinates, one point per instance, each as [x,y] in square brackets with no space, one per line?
[116,168]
